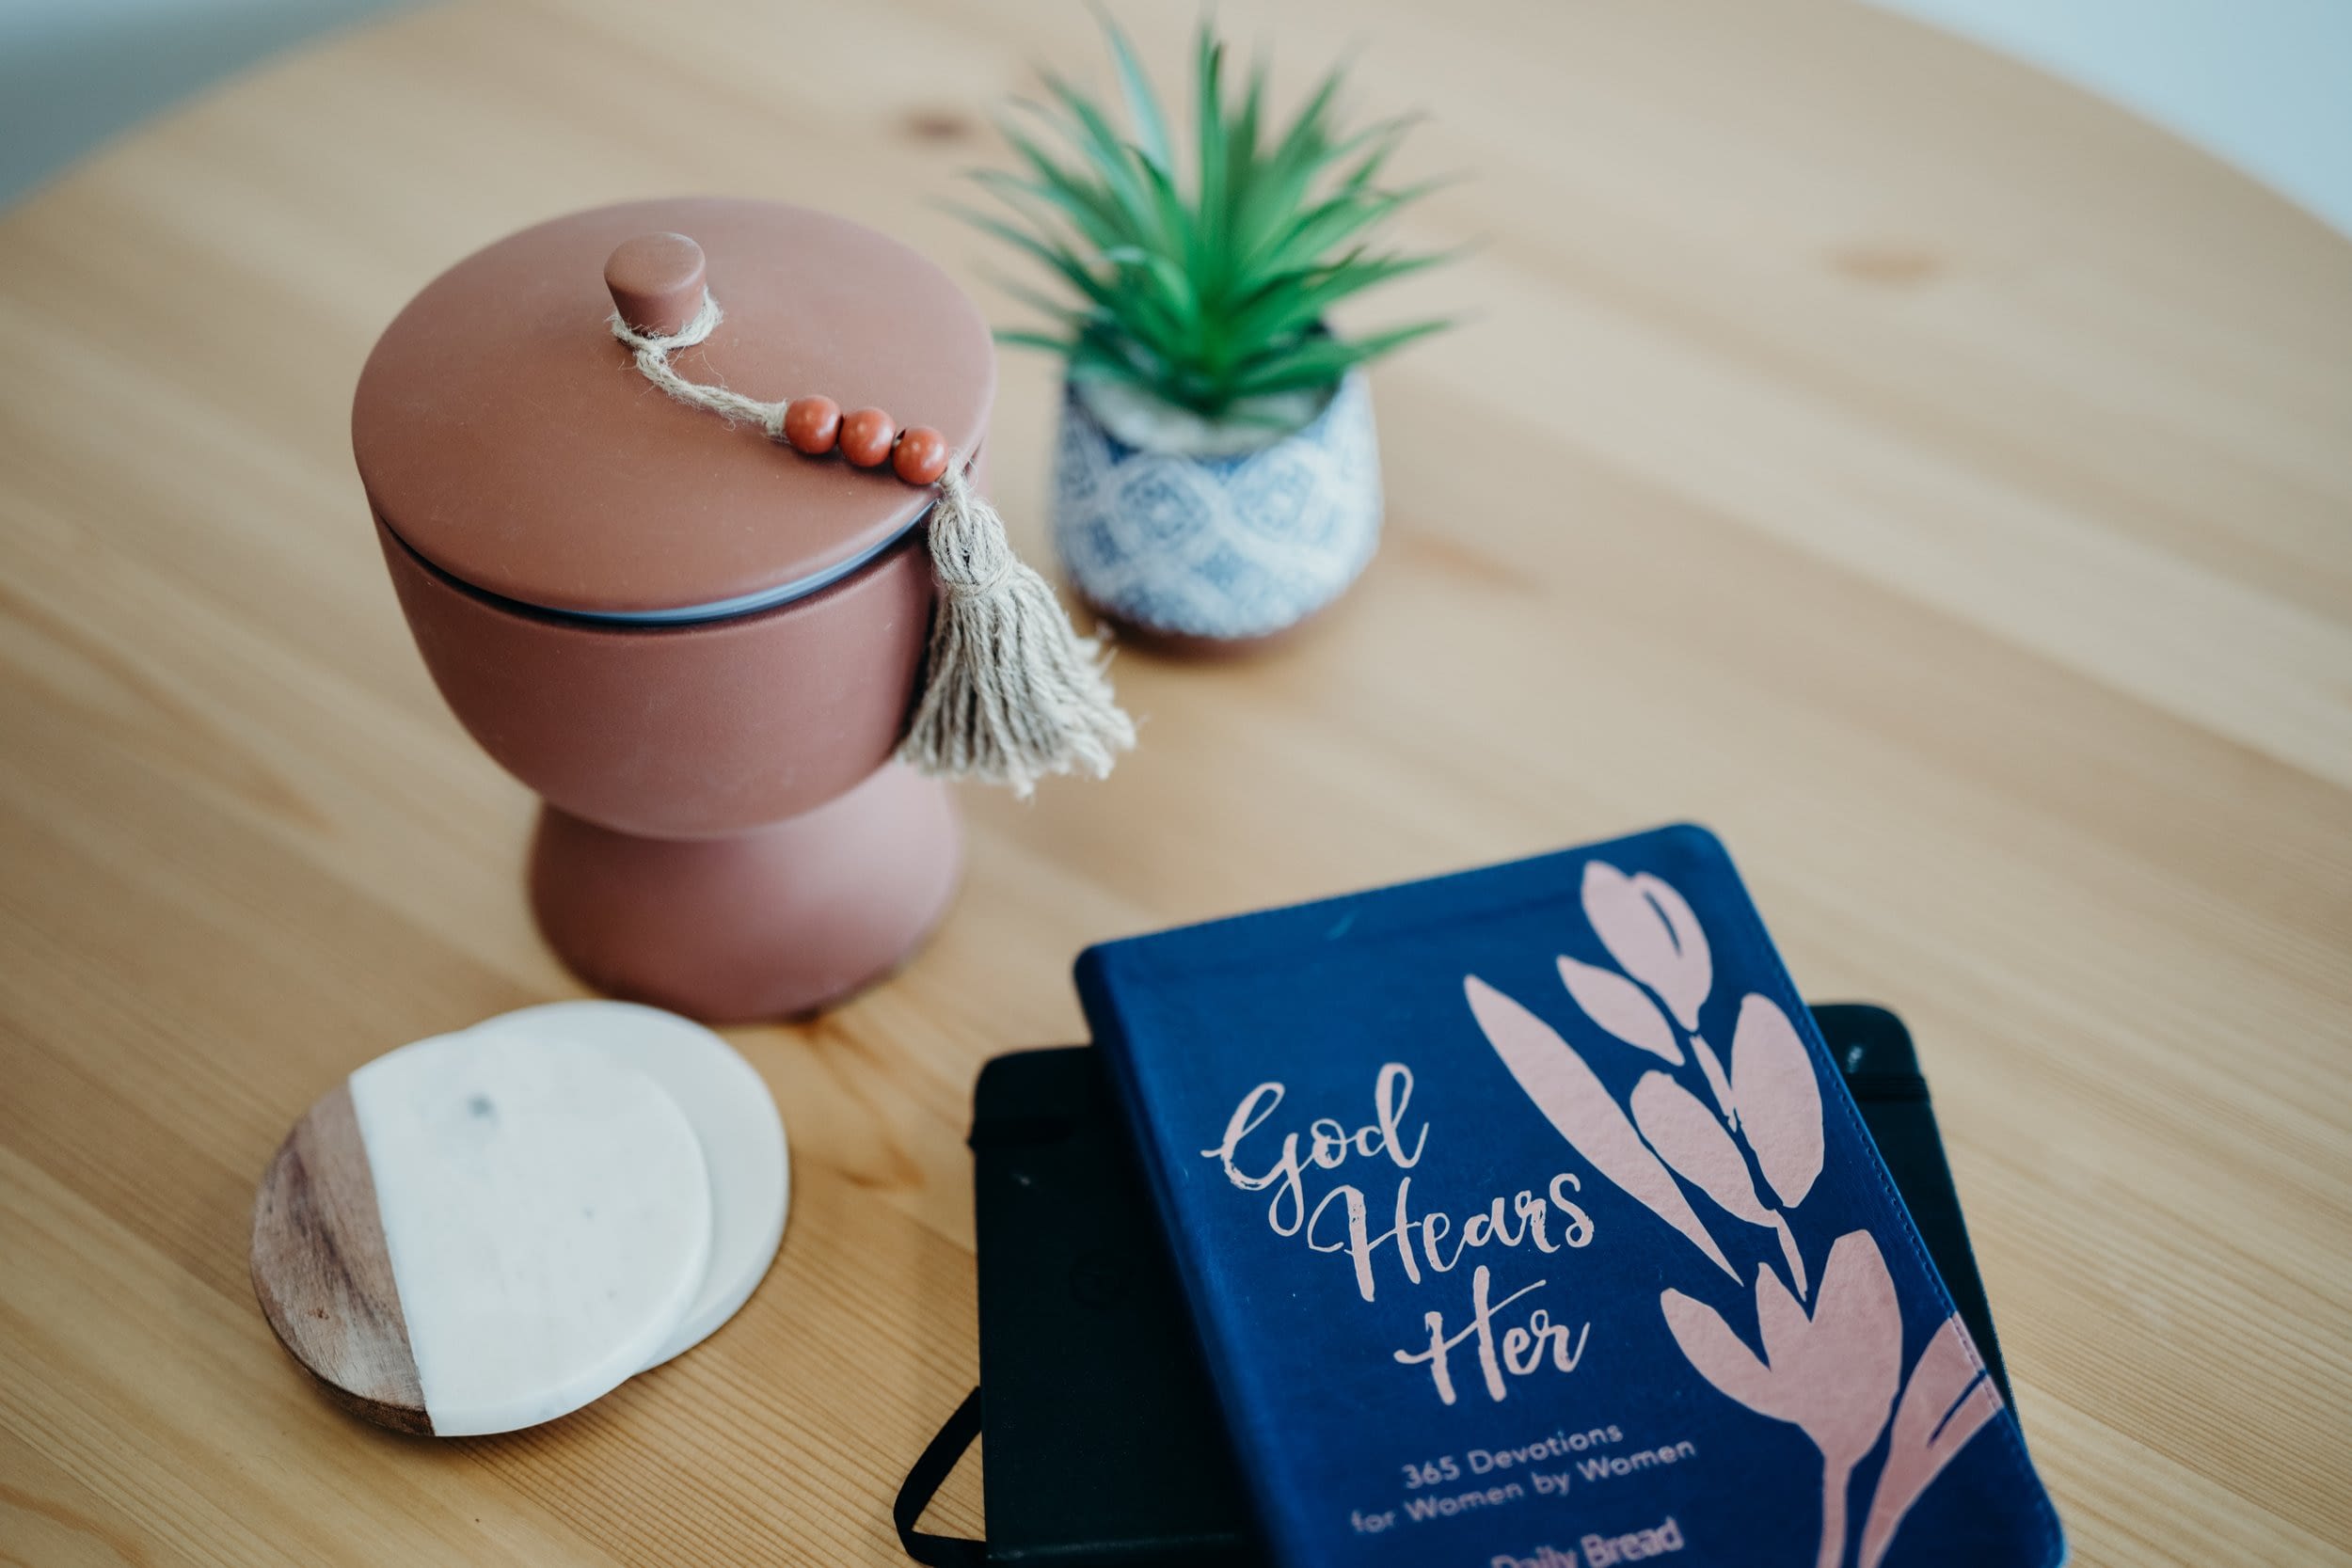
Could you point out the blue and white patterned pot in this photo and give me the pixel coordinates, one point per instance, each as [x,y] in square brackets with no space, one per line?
[1226,547]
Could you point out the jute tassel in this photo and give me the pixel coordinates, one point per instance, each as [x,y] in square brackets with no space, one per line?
[1012,693]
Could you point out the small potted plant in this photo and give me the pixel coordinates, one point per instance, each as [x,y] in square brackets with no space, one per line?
[1216,477]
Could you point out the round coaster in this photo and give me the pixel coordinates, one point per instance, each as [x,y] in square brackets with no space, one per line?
[474,1234]
[726,1103]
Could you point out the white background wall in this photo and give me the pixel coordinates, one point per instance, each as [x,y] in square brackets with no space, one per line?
[2265,84]
[73,72]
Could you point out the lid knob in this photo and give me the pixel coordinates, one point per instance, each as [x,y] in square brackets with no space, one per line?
[657,282]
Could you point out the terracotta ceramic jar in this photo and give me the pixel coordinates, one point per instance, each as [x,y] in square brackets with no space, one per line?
[698,647]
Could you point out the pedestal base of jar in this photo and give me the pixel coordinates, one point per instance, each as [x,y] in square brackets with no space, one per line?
[775,923]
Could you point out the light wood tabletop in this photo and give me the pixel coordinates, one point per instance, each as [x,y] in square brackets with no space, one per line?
[1935,480]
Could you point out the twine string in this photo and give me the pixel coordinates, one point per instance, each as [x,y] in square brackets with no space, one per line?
[1011,692]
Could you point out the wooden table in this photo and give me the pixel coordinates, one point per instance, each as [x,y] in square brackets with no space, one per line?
[1931,477]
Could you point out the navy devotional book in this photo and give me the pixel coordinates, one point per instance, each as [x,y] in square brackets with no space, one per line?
[1526,1224]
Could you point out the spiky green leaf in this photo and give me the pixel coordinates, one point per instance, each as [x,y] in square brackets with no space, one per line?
[1207,285]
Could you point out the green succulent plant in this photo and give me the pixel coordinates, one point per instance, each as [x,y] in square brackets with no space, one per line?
[1205,286]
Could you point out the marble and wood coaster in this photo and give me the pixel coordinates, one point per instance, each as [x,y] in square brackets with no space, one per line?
[726,1103]
[476,1233]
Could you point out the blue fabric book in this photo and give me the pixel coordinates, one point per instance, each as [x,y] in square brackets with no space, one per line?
[1527,1224]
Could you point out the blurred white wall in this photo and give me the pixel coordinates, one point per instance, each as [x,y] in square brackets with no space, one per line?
[73,72]
[2264,84]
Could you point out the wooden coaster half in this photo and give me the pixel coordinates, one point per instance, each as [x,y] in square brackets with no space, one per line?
[325,1279]
[471,1235]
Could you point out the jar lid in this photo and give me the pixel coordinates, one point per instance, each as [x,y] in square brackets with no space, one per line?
[504,435]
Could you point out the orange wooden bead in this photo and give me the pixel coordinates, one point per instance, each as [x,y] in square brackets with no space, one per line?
[865,437]
[921,455]
[811,424]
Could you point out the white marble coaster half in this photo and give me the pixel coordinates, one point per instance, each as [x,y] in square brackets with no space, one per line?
[734,1116]
[546,1216]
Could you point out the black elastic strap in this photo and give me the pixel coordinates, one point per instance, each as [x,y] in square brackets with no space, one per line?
[923,1483]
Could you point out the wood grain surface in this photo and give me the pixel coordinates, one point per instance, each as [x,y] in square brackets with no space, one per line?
[323,1276]
[1935,480]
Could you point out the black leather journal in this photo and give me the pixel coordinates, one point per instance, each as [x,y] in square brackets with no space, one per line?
[1104,1444]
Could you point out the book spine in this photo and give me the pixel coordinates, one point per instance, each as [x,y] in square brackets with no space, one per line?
[1231,1382]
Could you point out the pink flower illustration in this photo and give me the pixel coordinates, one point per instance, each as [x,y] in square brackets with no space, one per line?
[1618,1006]
[1703,1154]
[1832,1375]
[1833,1372]
[1652,934]
[1779,1099]
[1564,1090]
[1949,1398]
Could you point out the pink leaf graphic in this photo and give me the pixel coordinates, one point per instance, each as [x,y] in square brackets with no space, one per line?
[1697,1146]
[1832,1375]
[1784,1326]
[1702,1154]
[1617,1004]
[1652,934]
[1778,1097]
[1713,1070]
[1855,1354]
[1566,1091]
[1947,1401]
[1710,1346]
